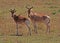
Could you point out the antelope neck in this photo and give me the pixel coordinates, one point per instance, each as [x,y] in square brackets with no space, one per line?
[29,13]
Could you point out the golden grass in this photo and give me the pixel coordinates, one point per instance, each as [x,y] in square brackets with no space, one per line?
[8,26]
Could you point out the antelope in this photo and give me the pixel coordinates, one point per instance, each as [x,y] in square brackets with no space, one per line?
[20,20]
[37,17]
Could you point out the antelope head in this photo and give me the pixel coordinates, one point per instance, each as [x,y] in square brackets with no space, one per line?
[12,11]
[29,9]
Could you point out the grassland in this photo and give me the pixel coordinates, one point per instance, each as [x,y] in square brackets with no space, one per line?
[7,24]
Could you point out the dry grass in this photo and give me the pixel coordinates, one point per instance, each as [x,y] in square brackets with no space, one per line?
[7,24]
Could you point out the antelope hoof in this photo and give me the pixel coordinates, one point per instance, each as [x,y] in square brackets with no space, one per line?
[30,34]
[19,34]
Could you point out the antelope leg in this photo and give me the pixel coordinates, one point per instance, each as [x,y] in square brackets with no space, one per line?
[27,22]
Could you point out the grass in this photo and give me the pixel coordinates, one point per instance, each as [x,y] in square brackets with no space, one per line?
[54,13]
[7,24]
[30,39]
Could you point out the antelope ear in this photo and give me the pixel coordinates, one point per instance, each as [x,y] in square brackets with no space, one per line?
[14,10]
[27,7]
[10,10]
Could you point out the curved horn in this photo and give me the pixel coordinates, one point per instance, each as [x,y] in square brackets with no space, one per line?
[27,7]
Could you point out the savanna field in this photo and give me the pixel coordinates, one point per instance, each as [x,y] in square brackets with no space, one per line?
[8,26]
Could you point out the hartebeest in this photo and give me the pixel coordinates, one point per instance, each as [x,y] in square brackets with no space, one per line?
[19,20]
[37,17]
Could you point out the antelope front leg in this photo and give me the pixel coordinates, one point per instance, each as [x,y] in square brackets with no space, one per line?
[47,22]
[16,29]
[17,33]
[48,27]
